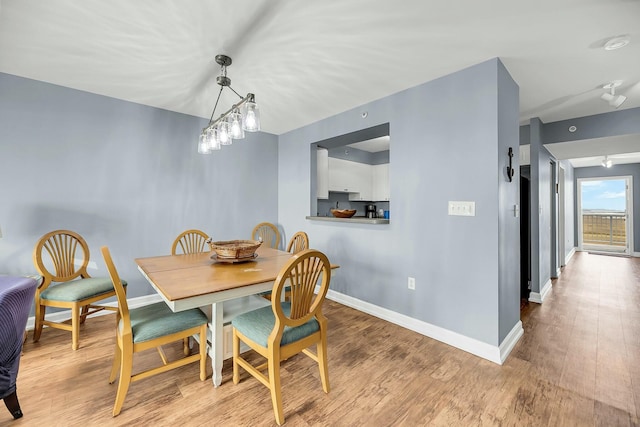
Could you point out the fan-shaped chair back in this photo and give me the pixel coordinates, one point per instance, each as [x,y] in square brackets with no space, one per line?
[298,243]
[190,242]
[267,233]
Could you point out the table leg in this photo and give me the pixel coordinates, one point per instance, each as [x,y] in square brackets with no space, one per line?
[217,343]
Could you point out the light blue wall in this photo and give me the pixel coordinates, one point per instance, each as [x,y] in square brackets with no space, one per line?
[508,197]
[621,122]
[120,174]
[616,170]
[446,144]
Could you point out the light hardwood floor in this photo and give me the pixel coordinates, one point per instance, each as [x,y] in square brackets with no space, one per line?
[578,363]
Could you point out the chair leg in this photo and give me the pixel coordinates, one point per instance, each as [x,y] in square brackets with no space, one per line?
[203,353]
[12,404]
[83,316]
[236,354]
[185,346]
[126,364]
[115,366]
[274,387]
[75,327]
[321,350]
[39,319]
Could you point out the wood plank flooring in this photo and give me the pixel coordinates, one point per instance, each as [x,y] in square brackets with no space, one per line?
[578,364]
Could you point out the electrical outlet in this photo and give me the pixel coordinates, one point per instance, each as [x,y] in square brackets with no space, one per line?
[411,283]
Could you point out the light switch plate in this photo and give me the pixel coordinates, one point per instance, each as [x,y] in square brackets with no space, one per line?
[462,208]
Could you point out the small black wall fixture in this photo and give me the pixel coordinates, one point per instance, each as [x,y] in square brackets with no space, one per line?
[510,168]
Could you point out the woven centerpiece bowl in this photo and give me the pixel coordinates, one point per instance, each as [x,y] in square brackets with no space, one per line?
[237,249]
[343,213]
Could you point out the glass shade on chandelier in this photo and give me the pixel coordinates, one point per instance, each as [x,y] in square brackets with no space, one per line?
[241,117]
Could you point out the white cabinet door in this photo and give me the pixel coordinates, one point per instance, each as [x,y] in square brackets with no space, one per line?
[363,182]
[342,176]
[380,181]
[322,183]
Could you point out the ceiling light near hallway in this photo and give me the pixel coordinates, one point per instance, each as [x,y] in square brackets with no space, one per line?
[617,42]
[607,163]
[610,97]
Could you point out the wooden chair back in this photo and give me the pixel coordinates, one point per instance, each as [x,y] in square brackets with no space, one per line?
[298,243]
[190,242]
[267,233]
[302,273]
[61,248]
[121,295]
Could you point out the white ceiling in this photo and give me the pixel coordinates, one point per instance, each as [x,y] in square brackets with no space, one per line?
[306,61]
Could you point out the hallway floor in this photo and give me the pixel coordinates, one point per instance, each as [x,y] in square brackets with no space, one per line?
[584,340]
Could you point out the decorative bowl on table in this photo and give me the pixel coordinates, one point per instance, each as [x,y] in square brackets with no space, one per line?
[235,250]
[343,213]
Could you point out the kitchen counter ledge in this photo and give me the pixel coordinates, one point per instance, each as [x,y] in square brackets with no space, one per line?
[353,219]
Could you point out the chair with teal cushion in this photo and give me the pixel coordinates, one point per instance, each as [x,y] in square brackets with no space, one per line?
[149,327]
[61,258]
[287,328]
[298,242]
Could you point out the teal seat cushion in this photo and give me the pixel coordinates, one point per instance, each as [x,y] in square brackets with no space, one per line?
[265,293]
[258,324]
[157,320]
[77,290]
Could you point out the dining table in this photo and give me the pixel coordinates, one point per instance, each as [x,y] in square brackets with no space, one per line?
[200,281]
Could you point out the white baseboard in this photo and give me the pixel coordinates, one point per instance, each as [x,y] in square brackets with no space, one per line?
[60,316]
[495,354]
[486,351]
[636,254]
[539,297]
[510,341]
[569,255]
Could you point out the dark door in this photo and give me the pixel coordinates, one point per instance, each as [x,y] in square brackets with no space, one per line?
[525,237]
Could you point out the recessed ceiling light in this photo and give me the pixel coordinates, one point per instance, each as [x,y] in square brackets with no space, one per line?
[572,129]
[617,42]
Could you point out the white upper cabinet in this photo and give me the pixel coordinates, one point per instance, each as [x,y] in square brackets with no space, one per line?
[363,182]
[322,184]
[343,176]
[380,182]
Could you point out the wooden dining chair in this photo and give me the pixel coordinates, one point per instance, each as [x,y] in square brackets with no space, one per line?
[190,242]
[297,243]
[284,329]
[267,233]
[146,327]
[75,289]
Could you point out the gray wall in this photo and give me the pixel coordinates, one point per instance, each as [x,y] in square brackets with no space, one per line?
[120,174]
[615,170]
[508,197]
[448,140]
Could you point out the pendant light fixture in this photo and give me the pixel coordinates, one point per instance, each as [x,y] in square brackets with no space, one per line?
[232,124]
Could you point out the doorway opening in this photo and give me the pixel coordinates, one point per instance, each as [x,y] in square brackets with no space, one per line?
[604,215]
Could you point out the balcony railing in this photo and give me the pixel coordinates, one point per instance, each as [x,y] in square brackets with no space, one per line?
[604,229]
